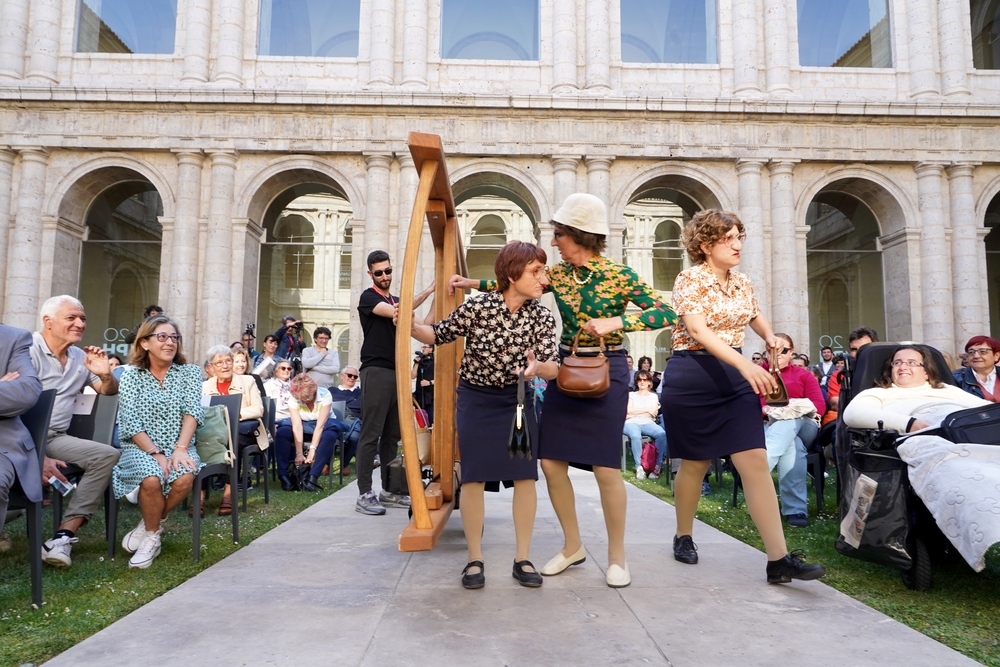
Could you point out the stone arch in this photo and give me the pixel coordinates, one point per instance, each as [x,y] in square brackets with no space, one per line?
[74,194]
[290,177]
[481,177]
[889,201]
[694,181]
[986,197]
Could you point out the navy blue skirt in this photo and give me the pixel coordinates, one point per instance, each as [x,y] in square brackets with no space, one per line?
[483,417]
[709,409]
[586,432]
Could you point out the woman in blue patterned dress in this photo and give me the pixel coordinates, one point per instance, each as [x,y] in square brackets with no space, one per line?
[159,410]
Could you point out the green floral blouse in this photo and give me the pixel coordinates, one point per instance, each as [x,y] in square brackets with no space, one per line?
[607,289]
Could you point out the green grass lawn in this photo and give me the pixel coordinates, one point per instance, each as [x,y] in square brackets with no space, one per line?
[961,610]
[95,592]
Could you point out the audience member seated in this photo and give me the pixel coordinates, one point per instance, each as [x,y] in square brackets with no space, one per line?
[979,378]
[790,432]
[349,392]
[309,415]
[158,413]
[319,361]
[264,368]
[908,396]
[68,369]
[825,367]
[226,383]
[280,389]
[646,364]
[640,420]
[19,391]
[241,366]
[855,341]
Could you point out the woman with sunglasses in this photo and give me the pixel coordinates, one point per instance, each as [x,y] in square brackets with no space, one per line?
[279,388]
[791,431]
[640,420]
[710,390]
[159,408]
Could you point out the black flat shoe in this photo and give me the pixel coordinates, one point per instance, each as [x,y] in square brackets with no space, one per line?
[286,484]
[792,566]
[311,484]
[477,580]
[529,578]
[685,550]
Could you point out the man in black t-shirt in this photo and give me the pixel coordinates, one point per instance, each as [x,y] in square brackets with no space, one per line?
[379,409]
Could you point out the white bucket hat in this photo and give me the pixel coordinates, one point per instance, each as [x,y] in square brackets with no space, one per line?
[584,212]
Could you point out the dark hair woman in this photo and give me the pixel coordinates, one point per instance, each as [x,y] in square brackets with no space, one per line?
[592,293]
[710,394]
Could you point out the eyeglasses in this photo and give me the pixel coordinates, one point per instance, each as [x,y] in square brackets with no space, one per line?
[730,240]
[222,363]
[351,375]
[322,338]
[379,272]
[756,357]
[979,351]
[912,363]
[283,368]
[164,337]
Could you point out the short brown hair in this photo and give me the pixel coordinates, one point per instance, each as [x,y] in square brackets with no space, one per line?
[930,367]
[303,388]
[593,242]
[139,356]
[791,343]
[707,228]
[512,260]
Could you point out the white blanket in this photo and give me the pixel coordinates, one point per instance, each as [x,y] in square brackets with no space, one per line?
[960,484]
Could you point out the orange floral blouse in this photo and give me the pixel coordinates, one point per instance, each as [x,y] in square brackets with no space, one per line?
[727,312]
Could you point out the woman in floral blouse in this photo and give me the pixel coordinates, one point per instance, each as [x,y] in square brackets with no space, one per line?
[159,410]
[592,293]
[506,332]
[710,390]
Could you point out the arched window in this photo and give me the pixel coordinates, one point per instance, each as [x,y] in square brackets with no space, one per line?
[669,31]
[344,272]
[318,28]
[488,30]
[985,17]
[844,33]
[120,261]
[295,233]
[844,263]
[488,236]
[126,26]
[993,265]
[668,258]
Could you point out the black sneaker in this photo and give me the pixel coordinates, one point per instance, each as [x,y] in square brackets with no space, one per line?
[792,566]
[798,520]
[686,551]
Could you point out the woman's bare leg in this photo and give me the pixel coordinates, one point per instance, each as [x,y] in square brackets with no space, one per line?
[762,502]
[563,502]
[525,504]
[473,512]
[179,490]
[614,501]
[151,502]
[687,493]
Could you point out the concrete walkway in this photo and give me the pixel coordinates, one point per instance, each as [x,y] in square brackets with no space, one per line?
[329,587]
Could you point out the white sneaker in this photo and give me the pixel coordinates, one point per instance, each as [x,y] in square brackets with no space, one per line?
[133,496]
[133,538]
[147,551]
[640,473]
[57,551]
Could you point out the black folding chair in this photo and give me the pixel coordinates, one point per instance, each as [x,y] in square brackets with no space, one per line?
[255,450]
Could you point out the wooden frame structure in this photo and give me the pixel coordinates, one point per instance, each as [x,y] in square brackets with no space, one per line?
[434,202]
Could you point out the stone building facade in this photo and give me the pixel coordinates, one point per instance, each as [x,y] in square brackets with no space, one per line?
[260,163]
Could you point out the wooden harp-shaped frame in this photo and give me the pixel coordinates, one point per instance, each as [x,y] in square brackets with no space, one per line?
[434,202]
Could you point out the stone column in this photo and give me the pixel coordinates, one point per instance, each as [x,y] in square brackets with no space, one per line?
[923,57]
[182,294]
[746,51]
[6,176]
[415,44]
[13,37]
[23,267]
[381,53]
[935,271]
[788,294]
[776,72]
[599,185]
[198,41]
[752,215]
[951,40]
[598,46]
[43,49]
[216,291]
[564,184]
[377,205]
[229,52]
[971,314]
[564,46]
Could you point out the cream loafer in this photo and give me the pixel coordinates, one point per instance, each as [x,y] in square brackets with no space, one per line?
[618,576]
[560,563]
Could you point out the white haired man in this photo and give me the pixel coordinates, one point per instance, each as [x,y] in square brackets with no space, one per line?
[68,369]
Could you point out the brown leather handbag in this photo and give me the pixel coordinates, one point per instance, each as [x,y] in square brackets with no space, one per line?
[584,377]
[777,398]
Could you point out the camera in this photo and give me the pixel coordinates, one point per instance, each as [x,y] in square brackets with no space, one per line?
[297,326]
[251,327]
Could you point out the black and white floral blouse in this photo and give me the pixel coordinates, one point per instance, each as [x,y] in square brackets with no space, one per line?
[497,340]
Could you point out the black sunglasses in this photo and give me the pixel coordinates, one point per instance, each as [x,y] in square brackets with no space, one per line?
[351,375]
[379,272]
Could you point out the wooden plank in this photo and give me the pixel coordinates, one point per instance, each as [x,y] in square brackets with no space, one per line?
[424,539]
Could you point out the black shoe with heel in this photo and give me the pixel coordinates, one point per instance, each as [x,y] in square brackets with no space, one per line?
[529,578]
[792,566]
[311,484]
[477,580]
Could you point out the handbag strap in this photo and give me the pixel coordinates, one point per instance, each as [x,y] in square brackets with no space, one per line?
[576,343]
[520,388]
